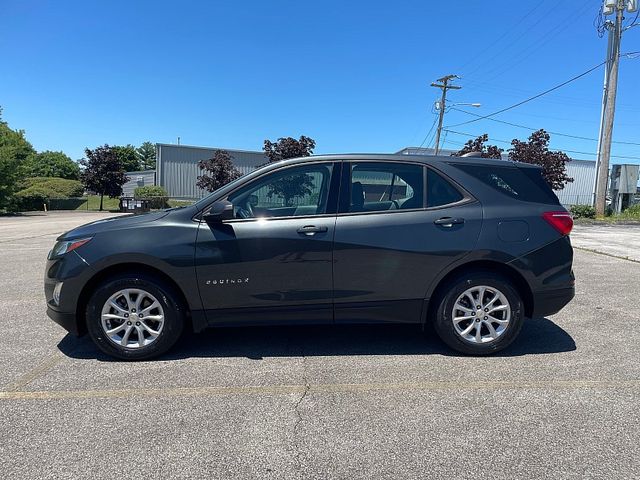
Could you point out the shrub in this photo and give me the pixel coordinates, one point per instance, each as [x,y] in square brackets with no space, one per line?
[40,190]
[582,211]
[150,191]
[57,187]
[157,195]
[29,199]
[631,213]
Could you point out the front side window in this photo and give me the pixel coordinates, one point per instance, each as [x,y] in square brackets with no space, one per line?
[378,186]
[291,192]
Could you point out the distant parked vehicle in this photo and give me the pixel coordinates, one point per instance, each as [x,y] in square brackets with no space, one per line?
[471,245]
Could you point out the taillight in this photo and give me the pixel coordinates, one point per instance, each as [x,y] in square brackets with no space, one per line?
[561,221]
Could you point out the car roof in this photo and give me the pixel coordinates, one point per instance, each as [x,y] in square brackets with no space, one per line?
[426,159]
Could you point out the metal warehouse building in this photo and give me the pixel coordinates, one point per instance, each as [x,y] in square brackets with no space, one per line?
[177,167]
[138,179]
[177,171]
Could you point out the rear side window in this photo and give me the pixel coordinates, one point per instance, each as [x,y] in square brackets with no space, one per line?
[526,184]
[381,186]
[440,191]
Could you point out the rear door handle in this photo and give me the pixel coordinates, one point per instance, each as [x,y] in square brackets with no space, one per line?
[449,221]
[311,230]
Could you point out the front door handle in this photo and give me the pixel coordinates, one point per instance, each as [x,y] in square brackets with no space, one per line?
[449,221]
[310,230]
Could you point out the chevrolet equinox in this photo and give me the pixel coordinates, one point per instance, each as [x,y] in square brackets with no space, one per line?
[472,245]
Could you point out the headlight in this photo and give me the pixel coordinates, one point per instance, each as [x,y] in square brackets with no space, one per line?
[66,246]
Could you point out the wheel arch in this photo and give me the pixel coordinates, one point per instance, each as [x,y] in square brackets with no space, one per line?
[488,266]
[119,269]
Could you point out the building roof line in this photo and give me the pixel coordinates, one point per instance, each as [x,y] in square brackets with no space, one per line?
[210,148]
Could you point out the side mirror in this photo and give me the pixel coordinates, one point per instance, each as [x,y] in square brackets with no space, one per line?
[219,212]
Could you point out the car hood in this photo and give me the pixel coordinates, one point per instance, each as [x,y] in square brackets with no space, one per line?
[114,223]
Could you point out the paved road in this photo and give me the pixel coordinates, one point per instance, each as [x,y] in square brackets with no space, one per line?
[620,240]
[321,402]
[40,225]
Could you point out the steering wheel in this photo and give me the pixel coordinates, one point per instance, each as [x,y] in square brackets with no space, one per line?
[245,210]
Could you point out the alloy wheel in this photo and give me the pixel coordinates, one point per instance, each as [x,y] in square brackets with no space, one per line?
[132,318]
[481,314]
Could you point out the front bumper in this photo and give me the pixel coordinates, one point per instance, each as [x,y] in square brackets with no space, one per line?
[73,272]
[67,321]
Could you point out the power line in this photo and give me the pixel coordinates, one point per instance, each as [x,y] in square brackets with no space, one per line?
[470,135]
[479,55]
[530,98]
[534,48]
[435,120]
[578,137]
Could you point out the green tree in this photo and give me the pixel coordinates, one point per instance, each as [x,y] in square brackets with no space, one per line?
[536,151]
[51,164]
[128,156]
[478,145]
[103,172]
[146,156]
[288,147]
[14,150]
[217,171]
[290,186]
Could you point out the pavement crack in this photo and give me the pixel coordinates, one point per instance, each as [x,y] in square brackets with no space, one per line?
[620,257]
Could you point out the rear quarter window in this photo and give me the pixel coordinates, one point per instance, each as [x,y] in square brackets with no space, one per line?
[525,184]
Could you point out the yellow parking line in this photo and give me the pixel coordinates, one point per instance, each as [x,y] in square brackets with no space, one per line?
[35,372]
[321,388]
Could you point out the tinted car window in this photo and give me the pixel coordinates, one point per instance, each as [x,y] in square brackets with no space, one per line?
[440,191]
[291,192]
[525,184]
[379,186]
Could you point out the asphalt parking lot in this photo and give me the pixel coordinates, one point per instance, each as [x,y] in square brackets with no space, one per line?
[322,402]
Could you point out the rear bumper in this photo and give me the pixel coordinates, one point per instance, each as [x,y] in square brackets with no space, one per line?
[67,321]
[552,301]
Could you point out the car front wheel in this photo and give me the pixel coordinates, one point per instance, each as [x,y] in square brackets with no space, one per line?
[134,317]
[479,314]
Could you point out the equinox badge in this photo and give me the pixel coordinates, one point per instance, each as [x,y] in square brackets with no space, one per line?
[227,281]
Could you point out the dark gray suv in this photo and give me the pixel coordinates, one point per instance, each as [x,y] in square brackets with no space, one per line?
[471,245]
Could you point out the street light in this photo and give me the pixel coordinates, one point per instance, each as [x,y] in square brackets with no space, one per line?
[476,105]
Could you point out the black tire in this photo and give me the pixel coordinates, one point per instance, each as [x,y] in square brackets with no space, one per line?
[173,309]
[443,321]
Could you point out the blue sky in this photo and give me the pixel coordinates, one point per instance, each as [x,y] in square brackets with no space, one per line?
[353,75]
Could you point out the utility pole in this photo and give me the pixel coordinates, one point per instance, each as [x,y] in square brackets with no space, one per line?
[613,60]
[444,86]
[605,86]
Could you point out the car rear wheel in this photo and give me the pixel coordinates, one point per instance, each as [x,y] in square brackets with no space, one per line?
[479,313]
[133,317]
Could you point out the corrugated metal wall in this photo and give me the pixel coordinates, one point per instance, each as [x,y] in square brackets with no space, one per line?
[580,191]
[138,179]
[178,170]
